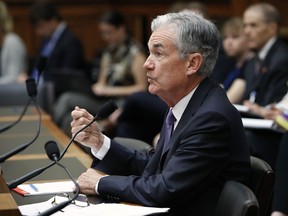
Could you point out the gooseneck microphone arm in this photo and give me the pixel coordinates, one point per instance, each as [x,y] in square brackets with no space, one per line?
[103,113]
[6,127]
[20,148]
[14,183]
[31,87]
[62,204]
[53,153]
[32,92]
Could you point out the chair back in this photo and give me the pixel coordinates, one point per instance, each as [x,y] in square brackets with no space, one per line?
[262,184]
[15,94]
[133,144]
[236,199]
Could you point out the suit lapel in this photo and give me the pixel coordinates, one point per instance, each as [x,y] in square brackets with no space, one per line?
[192,107]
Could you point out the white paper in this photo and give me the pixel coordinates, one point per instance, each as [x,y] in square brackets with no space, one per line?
[103,209]
[241,108]
[258,123]
[48,188]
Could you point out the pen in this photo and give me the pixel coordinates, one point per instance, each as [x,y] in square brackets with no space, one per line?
[34,187]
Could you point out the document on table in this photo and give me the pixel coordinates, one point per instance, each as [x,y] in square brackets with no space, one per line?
[258,123]
[103,209]
[241,108]
[45,188]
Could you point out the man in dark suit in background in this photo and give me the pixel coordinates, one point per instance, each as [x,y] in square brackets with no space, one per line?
[61,46]
[207,147]
[266,74]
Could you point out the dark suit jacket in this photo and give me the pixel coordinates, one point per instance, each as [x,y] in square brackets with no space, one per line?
[207,148]
[67,58]
[67,52]
[271,84]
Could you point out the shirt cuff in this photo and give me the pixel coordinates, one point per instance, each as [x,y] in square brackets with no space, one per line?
[100,154]
[97,183]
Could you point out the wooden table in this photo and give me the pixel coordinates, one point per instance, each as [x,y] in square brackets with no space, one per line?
[33,157]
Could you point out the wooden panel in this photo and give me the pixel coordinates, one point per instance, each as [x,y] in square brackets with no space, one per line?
[82,17]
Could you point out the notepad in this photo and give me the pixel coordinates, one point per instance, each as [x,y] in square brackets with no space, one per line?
[45,188]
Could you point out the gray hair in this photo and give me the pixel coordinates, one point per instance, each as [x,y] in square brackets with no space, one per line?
[194,34]
[269,12]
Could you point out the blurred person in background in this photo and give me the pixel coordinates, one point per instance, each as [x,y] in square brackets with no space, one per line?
[121,74]
[266,74]
[59,44]
[13,56]
[235,47]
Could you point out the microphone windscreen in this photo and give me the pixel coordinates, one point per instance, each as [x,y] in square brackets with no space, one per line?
[31,87]
[106,109]
[41,64]
[52,150]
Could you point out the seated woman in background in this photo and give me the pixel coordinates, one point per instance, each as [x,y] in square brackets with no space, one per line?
[13,58]
[235,47]
[121,73]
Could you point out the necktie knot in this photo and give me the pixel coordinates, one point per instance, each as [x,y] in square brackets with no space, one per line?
[169,124]
[170,119]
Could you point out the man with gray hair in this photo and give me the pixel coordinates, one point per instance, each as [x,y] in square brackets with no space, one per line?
[207,145]
[266,75]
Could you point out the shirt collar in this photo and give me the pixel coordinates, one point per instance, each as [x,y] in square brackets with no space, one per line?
[180,107]
[263,52]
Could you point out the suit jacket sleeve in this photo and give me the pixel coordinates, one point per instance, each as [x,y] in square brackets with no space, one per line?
[198,159]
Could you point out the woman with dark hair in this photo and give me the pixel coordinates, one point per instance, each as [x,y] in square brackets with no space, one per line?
[121,73]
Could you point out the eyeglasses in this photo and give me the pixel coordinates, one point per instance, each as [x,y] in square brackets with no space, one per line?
[80,201]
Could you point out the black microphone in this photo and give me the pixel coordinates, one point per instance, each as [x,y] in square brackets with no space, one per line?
[14,183]
[52,150]
[20,148]
[31,88]
[53,153]
[104,111]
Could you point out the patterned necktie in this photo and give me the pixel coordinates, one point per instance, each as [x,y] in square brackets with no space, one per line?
[169,125]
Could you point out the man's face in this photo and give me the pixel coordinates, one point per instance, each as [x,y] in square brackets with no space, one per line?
[166,72]
[257,31]
[45,28]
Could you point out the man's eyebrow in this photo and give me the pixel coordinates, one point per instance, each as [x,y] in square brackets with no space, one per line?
[157,45]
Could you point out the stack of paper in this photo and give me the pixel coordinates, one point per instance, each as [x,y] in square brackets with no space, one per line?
[104,209]
[45,188]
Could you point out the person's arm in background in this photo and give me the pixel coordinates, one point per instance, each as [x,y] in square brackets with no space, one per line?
[267,112]
[236,91]
[100,88]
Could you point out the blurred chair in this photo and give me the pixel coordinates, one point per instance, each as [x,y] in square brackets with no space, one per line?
[262,184]
[134,144]
[236,199]
[16,95]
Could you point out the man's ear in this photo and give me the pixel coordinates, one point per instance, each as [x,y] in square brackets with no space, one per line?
[273,28]
[194,63]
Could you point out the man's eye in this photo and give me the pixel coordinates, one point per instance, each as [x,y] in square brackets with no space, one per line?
[157,54]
